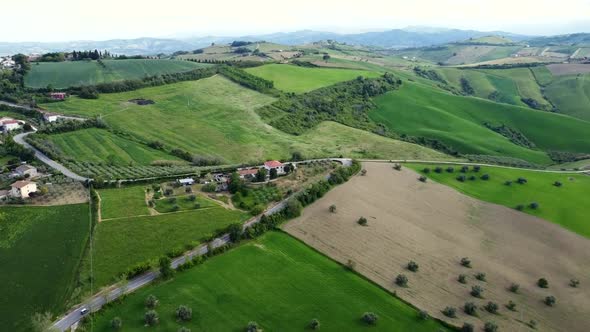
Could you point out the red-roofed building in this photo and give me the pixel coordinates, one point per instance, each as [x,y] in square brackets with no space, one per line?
[248,174]
[57,95]
[8,124]
[274,164]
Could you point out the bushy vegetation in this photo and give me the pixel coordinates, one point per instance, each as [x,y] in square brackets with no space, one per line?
[450,312]
[246,79]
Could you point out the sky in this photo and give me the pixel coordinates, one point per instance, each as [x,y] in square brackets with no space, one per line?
[66,20]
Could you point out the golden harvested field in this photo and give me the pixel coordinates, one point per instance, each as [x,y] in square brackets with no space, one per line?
[436,226]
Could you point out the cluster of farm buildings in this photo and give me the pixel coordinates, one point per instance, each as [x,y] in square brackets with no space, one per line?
[21,188]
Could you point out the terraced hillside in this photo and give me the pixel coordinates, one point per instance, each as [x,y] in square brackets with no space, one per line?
[75,73]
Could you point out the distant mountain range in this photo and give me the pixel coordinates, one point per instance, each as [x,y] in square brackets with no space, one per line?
[397,38]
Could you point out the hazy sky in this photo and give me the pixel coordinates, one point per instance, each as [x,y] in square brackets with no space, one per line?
[60,20]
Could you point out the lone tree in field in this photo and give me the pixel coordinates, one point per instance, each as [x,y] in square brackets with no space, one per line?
[485,177]
[464,169]
[491,307]
[413,266]
[508,183]
[423,315]
[326,57]
[450,169]
[466,262]
[521,180]
[514,288]
[543,283]
[252,327]
[511,305]
[574,283]
[461,178]
[116,323]
[557,184]
[315,324]
[470,308]
[362,221]
[480,276]
[476,168]
[333,208]
[550,300]
[467,328]
[534,205]
[370,318]
[450,312]
[462,279]
[490,327]
[151,302]
[397,167]
[184,313]
[422,178]
[438,169]
[519,207]
[476,291]
[401,280]
[151,318]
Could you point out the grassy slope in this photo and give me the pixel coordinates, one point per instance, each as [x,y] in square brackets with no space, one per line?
[571,95]
[183,202]
[96,145]
[40,249]
[73,73]
[214,116]
[276,281]
[122,243]
[422,111]
[123,202]
[562,205]
[300,79]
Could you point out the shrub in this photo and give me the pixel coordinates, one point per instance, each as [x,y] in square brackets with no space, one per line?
[543,283]
[511,305]
[534,205]
[485,177]
[362,221]
[476,168]
[491,307]
[426,170]
[333,208]
[461,178]
[467,327]
[184,313]
[462,279]
[413,266]
[472,178]
[466,262]
[450,169]
[574,283]
[370,318]
[364,172]
[175,207]
[521,180]
[450,312]
[151,302]
[252,327]
[192,198]
[151,318]
[168,191]
[423,315]
[438,169]
[315,324]
[401,280]
[188,190]
[550,300]
[397,167]
[490,327]
[116,323]
[464,169]
[476,291]
[480,276]
[519,207]
[165,268]
[557,184]
[514,288]
[508,183]
[422,178]
[470,308]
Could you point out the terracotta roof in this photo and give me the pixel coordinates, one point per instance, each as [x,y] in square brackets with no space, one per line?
[21,184]
[248,171]
[11,122]
[273,163]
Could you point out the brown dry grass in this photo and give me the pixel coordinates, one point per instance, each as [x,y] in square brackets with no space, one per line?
[559,69]
[436,226]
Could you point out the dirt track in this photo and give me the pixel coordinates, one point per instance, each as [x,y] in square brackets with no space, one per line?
[435,226]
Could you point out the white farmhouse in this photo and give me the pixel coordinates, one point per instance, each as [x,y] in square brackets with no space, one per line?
[186,181]
[275,164]
[50,117]
[8,124]
[23,189]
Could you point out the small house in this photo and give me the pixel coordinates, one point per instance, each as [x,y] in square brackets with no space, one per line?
[50,117]
[274,164]
[186,181]
[8,124]
[24,170]
[57,95]
[22,189]
[248,174]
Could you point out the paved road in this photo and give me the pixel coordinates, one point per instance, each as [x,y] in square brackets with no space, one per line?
[20,139]
[16,105]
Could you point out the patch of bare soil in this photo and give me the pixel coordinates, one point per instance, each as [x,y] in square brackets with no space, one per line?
[559,69]
[141,101]
[436,226]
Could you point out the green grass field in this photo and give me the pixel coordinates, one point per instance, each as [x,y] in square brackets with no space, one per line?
[419,110]
[74,73]
[563,205]
[571,95]
[123,202]
[99,145]
[121,243]
[40,252]
[216,117]
[276,281]
[184,203]
[300,79]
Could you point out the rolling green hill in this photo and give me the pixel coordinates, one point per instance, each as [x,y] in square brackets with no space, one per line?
[74,73]
[418,110]
[301,79]
[216,117]
[274,280]
[497,40]
[571,95]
